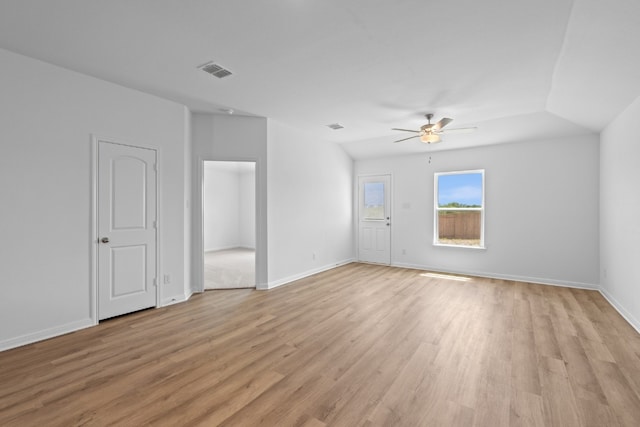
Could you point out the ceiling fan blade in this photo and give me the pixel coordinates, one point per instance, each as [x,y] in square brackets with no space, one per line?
[460,130]
[411,137]
[442,123]
[407,130]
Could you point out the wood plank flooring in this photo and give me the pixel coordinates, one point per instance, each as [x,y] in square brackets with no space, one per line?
[360,345]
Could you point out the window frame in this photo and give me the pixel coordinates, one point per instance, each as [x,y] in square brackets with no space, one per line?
[437,209]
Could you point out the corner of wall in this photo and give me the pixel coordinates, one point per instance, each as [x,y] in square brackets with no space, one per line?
[176,299]
[628,316]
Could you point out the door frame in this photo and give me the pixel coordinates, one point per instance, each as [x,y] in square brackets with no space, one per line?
[199,218]
[93,233]
[357,211]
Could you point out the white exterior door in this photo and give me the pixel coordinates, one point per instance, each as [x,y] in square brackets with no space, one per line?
[126,226]
[374,217]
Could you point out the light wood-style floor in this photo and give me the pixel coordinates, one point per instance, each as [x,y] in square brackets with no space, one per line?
[360,345]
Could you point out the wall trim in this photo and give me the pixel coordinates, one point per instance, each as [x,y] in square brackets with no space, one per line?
[46,334]
[626,315]
[536,280]
[293,278]
[226,248]
[176,299]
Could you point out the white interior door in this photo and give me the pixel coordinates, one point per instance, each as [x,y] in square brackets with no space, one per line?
[374,216]
[126,229]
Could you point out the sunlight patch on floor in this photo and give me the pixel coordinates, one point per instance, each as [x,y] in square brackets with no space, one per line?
[447,277]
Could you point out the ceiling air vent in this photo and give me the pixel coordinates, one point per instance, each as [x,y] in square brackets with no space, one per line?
[215,70]
[335,126]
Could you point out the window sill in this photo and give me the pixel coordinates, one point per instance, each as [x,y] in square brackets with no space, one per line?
[444,245]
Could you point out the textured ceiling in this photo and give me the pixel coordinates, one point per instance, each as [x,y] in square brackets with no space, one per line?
[517,70]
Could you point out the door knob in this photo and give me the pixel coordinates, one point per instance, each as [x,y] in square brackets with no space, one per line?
[105,240]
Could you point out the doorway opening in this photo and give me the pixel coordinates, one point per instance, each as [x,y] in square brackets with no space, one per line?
[229,224]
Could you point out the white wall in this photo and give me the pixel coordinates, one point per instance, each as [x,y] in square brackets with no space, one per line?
[247,231]
[541,202]
[224,137]
[229,205]
[620,213]
[221,207]
[47,117]
[310,205]
[187,223]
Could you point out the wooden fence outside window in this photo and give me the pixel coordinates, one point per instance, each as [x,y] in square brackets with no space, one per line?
[459,224]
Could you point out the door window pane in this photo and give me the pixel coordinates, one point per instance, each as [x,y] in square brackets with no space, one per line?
[373,200]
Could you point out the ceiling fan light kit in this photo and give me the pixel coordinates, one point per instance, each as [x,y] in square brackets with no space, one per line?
[430,133]
[430,138]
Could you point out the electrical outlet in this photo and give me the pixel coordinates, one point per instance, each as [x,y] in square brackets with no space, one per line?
[313,256]
[167,279]
[404,252]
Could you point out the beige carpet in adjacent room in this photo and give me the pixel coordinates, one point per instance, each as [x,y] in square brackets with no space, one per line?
[229,269]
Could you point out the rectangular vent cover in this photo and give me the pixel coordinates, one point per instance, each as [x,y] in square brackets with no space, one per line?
[335,126]
[215,70]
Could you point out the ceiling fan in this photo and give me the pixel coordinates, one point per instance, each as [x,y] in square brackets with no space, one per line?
[430,133]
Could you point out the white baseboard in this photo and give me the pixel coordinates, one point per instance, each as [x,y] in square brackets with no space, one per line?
[226,248]
[71,327]
[46,334]
[221,248]
[175,299]
[536,280]
[293,278]
[635,323]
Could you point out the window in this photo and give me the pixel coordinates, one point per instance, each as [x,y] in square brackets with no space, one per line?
[459,209]
[373,200]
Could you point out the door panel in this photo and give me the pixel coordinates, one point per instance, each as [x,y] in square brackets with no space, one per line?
[366,238]
[128,274]
[381,239]
[129,193]
[374,217]
[126,229]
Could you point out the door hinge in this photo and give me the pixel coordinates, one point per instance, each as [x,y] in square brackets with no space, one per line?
[155,224]
[155,281]
[155,167]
